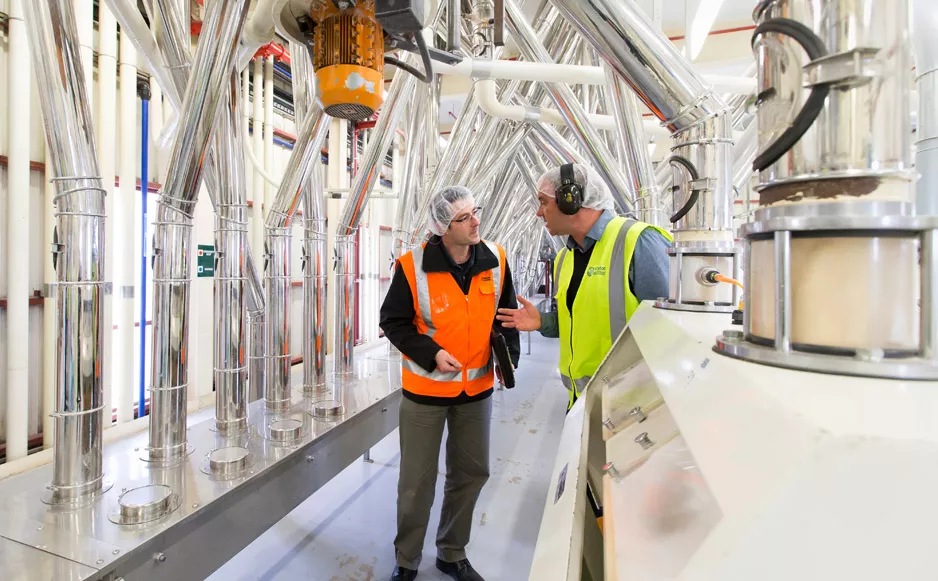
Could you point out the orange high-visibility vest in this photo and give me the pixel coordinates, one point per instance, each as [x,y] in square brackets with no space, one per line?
[459,323]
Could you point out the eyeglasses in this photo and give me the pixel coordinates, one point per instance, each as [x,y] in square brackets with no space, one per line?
[476,212]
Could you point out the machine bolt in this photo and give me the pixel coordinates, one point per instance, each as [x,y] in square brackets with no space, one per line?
[608,423]
[99,561]
[39,528]
[644,441]
[195,505]
[637,413]
[159,557]
[116,552]
[309,458]
[610,468]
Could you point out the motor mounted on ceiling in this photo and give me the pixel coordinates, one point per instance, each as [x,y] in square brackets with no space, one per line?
[348,39]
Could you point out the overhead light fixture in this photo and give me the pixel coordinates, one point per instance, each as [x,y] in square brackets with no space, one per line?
[703,22]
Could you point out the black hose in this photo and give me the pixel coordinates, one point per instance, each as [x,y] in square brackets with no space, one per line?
[694,194]
[425,76]
[815,49]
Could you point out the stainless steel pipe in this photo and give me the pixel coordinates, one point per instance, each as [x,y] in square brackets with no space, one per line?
[571,110]
[925,52]
[412,179]
[211,69]
[698,118]
[313,261]
[401,91]
[231,238]
[79,254]
[634,146]
[630,42]
[173,40]
[453,25]
[855,143]
[305,152]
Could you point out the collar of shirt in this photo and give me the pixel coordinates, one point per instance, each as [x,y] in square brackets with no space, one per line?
[595,233]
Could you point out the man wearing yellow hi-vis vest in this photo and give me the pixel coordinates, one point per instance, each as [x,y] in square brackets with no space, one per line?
[610,264]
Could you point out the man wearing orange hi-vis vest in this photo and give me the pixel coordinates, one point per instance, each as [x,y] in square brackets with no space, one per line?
[440,313]
[610,264]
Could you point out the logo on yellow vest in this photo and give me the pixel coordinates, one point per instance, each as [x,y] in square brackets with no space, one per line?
[596,271]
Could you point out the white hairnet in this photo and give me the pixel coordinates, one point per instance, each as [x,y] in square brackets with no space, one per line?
[446,205]
[596,194]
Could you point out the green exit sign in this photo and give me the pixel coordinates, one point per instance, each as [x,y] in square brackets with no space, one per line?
[206,261]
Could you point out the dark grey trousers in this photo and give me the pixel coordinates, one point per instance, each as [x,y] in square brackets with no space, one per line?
[467,470]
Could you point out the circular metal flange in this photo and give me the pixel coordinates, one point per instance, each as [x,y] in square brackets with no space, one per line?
[694,307]
[821,216]
[703,247]
[144,504]
[278,406]
[233,428]
[285,431]
[227,463]
[59,496]
[327,408]
[909,368]
[808,178]
[146,457]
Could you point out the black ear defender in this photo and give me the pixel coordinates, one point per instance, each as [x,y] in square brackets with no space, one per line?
[569,194]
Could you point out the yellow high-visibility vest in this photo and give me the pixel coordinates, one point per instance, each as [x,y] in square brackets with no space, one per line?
[603,305]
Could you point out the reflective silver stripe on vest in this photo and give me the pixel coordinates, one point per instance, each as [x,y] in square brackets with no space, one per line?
[496,272]
[618,273]
[558,268]
[435,375]
[453,377]
[480,372]
[423,291]
[580,382]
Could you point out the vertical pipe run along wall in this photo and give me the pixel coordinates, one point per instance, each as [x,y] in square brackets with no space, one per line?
[268,131]
[79,261]
[125,207]
[18,227]
[107,159]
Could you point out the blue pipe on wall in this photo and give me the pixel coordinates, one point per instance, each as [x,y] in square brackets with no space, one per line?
[143,89]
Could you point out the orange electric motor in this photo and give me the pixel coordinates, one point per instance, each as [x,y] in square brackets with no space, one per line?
[348,57]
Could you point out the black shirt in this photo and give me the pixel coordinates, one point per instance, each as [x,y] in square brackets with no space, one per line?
[398,315]
[580,260]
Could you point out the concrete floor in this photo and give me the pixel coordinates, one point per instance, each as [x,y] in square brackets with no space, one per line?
[345,531]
